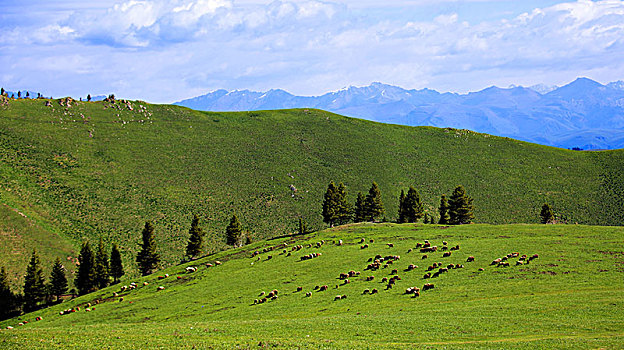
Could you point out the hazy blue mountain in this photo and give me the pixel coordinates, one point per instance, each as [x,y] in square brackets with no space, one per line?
[584,113]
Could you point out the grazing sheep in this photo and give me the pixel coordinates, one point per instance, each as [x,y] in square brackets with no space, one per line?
[534,256]
[366,291]
[370,278]
[308,294]
[455,247]
[121,299]
[435,274]
[394,272]
[274,297]
[270,295]
[261,293]
[416,295]
[191,269]
[424,256]
[459,266]
[470,259]
[218,262]
[409,250]
[299,289]
[362,240]
[371,241]
[444,242]
[444,248]
[161,277]
[347,281]
[496,261]
[340,242]
[115,294]
[364,246]
[210,265]
[145,283]
[256,301]
[519,262]
[418,245]
[160,288]
[446,254]
[481,269]
[337,297]
[344,296]
[443,270]
[428,286]
[427,275]
[269,257]
[39,318]
[385,279]
[390,245]
[503,264]
[323,288]
[411,267]
[9,327]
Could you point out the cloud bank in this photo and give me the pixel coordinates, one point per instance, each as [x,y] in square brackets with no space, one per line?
[167,50]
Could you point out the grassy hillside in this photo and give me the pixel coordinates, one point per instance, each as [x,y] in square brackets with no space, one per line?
[569,297]
[100,170]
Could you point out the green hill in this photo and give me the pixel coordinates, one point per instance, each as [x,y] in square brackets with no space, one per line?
[100,169]
[569,297]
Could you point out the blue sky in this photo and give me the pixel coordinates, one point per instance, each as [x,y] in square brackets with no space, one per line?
[164,51]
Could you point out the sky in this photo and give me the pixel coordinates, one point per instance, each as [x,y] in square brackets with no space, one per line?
[165,51]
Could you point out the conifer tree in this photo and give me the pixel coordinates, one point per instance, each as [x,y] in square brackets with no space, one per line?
[359,214]
[116,266]
[19,94]
[343,211]
[89,98]
[303,227]
[34,283]
[1,91]
[85,278]
[196,239]
[330,206]
[444,211]
[234,232]
[413,207]
[58,280]
[374,207]
[8,300]
[148,259]
[101,267]
[402,218]
[460,207]
[547,215]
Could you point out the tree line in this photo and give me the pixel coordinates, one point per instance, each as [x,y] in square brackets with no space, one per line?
[336,209]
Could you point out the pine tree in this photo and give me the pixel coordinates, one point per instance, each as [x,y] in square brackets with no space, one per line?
[19,94]
[116,266]
[303,227]
[547,215]
[359,214]
[27,94]
[148,259]
[89,98]
[58,280]
[444,210]
[101,266]
[413,206]
[460,207]
[234,232]
[34,283]
[374,207]
[196,239]
[1,91]
[402,218]
[343,211]
[8,300]
[330,207]
[85,278]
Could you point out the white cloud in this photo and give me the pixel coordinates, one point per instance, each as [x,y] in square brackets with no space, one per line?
[312,46]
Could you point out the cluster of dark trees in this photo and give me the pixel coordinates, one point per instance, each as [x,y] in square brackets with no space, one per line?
[19,94]
[458,209]
[94,271]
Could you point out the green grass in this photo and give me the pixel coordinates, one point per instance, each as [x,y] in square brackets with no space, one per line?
[570,297]
[101,170]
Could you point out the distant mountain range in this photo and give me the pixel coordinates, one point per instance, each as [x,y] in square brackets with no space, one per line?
[583,114]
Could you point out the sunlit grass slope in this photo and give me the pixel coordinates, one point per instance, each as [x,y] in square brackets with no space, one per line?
[569,297]
[101,170]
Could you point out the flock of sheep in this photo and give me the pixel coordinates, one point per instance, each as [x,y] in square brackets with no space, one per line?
[383,262]
[373,264]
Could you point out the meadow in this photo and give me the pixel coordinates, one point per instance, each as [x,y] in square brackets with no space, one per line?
[569,297]
[100,170]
